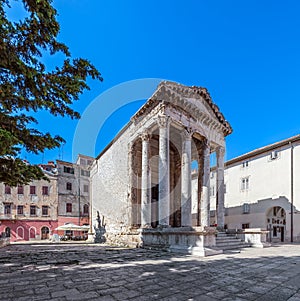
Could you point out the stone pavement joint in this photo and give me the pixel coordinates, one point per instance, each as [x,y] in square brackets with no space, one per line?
[31,272]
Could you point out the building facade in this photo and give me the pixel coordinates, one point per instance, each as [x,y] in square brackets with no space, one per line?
[29,212]
[34,211]
[262,190]
[142,180]
[73,189]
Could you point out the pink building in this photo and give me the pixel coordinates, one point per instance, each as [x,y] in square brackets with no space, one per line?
[29,212]
[34,211]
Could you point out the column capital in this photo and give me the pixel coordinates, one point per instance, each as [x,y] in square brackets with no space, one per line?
[206,147]
[220,151]
[187,133]
[145,136]
[163,121]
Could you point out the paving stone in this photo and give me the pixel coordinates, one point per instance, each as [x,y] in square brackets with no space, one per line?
[97,272]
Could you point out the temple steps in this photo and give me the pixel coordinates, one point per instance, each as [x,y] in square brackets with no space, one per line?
[226,241]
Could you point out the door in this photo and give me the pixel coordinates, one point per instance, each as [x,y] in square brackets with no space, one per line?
[154,206]
[7,232]
[45,233]
[282,234]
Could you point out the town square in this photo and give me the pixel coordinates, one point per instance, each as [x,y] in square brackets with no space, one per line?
[149,150]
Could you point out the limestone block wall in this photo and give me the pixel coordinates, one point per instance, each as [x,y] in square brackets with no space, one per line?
[110,187]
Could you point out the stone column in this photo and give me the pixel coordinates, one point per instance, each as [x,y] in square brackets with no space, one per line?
[205,197]
[220,188]
[163,171]
[145,187]
[186,179]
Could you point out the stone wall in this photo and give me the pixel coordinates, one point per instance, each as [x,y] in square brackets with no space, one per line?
[110,188]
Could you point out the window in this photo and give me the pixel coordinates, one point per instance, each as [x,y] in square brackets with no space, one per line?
[225,188]
[69,186]
[69,207]
[32,190]
[7,189]
[68,169]
[45,211]
[82,161]
[274,155]
[85,173]
[85,188]
[212,174]
[245,226]
[246,208]
[245,164]
[245,183]
[45,190]
[20,189]
[20,210]
[86,209]
[33,210]
[89,162]
[7,209]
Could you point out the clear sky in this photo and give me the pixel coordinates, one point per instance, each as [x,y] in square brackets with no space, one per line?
[246,53]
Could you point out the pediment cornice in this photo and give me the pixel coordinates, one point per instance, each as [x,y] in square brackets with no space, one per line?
[195,100]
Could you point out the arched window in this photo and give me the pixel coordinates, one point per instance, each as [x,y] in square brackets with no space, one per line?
[20,232]
[32,232]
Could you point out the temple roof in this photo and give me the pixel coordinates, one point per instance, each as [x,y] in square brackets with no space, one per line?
[185,92]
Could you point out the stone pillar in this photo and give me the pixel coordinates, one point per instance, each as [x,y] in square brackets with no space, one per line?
[163,171]
[205,196]
[220,209]
[186,179]
[145,187]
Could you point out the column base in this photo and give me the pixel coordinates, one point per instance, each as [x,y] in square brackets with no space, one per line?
[91,238]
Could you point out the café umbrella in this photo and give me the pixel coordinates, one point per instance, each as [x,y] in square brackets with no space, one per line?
[72,227]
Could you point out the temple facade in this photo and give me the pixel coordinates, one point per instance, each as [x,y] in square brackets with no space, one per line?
[141,182]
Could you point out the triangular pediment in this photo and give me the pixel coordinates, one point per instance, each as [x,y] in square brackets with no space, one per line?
[194,100]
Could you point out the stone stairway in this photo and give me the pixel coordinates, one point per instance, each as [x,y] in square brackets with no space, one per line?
[226,241]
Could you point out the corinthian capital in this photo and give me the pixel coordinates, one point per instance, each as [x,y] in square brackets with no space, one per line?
[187,133]
[145,136]
[220,151]
[163,121]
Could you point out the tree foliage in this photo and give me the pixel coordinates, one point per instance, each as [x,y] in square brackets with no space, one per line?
[26,86]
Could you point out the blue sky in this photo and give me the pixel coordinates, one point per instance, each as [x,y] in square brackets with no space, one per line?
[246,53]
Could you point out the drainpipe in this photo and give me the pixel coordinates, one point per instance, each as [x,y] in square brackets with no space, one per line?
[292,192]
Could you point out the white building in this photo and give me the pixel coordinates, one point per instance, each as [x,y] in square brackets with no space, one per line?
[262,190]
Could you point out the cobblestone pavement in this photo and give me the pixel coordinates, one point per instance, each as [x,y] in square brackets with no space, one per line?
[65,272]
